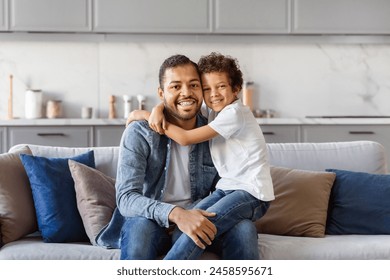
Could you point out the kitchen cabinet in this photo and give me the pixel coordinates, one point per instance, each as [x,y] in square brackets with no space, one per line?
[335,133]
[152,16]
[341,16]
[108,136]
[2,141]
[63,136]
[3,15]
[252,16]
[51,15]
[281,133]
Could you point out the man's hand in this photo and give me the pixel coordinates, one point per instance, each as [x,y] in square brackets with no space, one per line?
[195,224]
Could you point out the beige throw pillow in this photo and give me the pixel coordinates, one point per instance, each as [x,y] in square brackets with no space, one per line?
[95,195]
[17,212]
[301,203]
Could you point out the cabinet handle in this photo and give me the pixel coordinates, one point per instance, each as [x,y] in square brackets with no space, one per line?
[50,134]
[269,133]
[361,132]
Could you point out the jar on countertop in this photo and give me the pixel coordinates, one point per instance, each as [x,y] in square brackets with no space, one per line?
[54,109]
[33,104]
[247,94]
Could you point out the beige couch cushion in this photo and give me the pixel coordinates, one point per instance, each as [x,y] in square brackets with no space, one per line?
[17,213]
[95,195]
[301,203]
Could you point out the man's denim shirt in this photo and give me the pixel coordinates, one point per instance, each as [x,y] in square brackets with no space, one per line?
[141,178]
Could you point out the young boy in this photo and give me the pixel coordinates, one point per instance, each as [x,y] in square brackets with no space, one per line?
[237,147]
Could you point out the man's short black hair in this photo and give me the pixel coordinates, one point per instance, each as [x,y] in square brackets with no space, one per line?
[174,61]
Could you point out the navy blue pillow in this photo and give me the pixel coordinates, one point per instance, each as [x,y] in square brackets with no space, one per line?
[54,196]
[359,203]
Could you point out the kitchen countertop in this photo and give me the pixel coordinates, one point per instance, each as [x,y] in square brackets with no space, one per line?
[261,121]
[61,121]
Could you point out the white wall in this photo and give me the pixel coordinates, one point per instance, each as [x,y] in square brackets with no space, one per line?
[294,79]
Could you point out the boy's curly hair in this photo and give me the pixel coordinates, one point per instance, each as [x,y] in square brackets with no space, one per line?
[216,62]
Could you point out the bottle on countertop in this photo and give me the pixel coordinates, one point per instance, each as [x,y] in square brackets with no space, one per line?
[127,106]
[247,94]
[141,102]
[111,109]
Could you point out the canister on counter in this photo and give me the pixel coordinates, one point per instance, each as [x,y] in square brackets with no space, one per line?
[54,109]
[247,94]
[33,104]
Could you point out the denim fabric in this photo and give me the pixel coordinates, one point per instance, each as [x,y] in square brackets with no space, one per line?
[239,243]
[230,207]
[155,240]
[141,178]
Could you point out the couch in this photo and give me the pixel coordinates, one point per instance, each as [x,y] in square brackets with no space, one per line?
[308,219]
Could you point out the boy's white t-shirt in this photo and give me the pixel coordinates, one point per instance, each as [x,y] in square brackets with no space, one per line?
[239,152]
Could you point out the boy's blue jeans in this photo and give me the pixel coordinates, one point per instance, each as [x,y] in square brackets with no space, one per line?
[230,207]
[236,238]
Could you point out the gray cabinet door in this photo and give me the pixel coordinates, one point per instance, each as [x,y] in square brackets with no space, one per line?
[108,136]
[281,133]
[2,144]
[341,16]
[152,16]
[335,133]
[80,136]
[252,16]
[51,15]
[3,15]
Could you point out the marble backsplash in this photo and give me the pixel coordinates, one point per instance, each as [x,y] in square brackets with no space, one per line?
[295,80]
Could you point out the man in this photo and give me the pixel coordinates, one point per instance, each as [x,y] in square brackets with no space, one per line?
[158,181]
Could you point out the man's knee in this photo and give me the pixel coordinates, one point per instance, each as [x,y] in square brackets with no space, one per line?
[140,238]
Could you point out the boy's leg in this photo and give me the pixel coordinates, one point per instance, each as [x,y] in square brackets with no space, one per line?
[232,208]
[143,239]
[238,243]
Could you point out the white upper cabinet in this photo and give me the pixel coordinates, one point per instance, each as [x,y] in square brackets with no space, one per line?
[252,16]
[3,15]
[152,16]
[341,16]
[51,15]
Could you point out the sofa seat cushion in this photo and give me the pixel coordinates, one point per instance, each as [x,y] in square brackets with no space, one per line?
[33,248]
[331,247]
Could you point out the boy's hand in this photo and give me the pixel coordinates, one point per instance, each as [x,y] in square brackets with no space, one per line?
[137,115]
[157,120]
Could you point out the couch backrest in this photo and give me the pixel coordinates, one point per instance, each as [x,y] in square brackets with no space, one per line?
[365,156]
[106,158]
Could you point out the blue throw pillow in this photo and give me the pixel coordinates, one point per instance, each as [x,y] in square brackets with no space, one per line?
[359,203]
[54,196]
